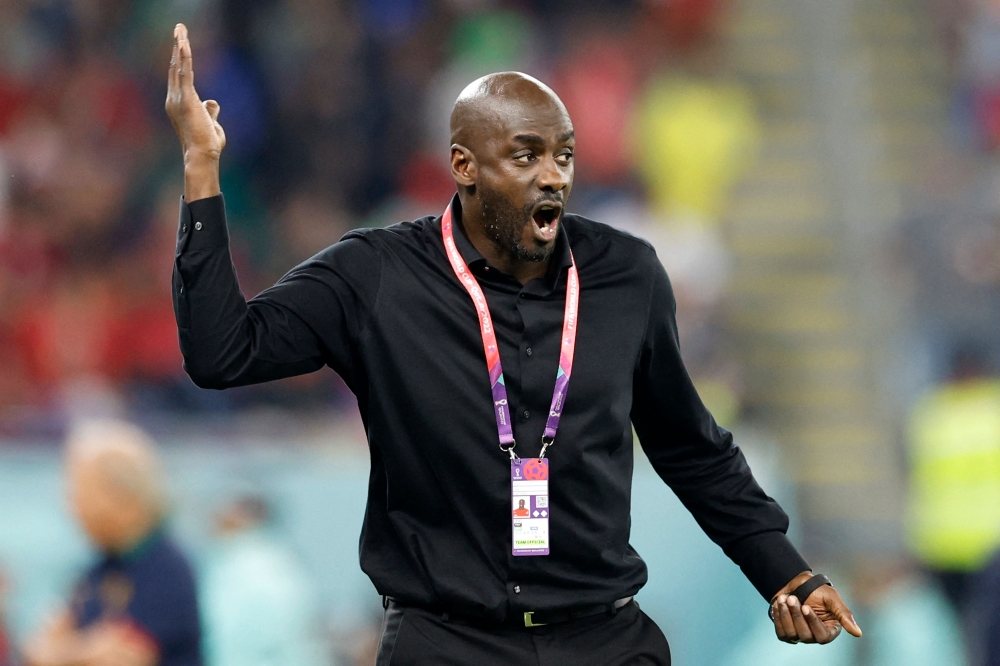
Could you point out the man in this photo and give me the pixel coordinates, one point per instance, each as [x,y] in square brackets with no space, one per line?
[137,605]
[416,318]
[257,602]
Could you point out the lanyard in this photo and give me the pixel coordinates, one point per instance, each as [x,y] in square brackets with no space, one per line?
[566,347]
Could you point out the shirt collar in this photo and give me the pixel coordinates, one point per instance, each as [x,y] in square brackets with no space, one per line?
[561,257]
[137,551]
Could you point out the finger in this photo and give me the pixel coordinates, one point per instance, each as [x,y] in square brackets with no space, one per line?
[213,109]
[846,618]
[172,79]
[779,629]
[186,59]
[801,626]
[786,620]
[820,631]
[221,133]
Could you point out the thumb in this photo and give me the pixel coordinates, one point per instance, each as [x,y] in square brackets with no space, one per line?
[847,621]
[213,109]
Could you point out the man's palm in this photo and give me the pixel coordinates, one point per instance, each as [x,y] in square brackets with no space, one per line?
[195,122]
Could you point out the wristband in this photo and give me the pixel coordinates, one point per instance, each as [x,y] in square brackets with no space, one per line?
[803,591]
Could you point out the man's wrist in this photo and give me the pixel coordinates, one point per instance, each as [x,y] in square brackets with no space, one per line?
[792,584]
[201,178]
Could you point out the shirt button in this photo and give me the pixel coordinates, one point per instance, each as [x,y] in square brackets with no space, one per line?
[184,228]
[527,413]
[517,589]
[521,295]
[181,289]
[197,226]
[528,351]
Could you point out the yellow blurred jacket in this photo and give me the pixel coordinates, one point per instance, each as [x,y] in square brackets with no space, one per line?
[954,512]
[693,139]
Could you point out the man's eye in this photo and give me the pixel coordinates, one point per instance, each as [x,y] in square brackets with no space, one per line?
[566,157]
[527,157]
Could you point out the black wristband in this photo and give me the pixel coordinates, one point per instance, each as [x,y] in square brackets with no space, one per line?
[803,591]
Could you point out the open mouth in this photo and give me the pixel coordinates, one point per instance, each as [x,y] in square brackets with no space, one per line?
[546,220]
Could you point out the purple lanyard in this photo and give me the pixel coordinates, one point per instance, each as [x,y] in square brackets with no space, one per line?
[566,347]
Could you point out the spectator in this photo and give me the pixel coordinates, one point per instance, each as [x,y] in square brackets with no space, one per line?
[597,80]
[699,135]
[955,474]
[137,605]
[258,607]
[929,635]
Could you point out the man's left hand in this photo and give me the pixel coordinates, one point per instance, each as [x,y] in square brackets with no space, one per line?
[819,620]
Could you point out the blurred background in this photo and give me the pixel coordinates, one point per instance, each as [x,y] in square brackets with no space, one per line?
[821,179]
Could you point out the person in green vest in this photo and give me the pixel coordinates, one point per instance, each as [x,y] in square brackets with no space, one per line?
[954,504]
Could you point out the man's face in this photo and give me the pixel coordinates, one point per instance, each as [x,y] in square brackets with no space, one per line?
[525,177]
[108,517]
[94,504]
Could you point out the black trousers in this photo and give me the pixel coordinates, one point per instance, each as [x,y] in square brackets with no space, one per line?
[416,637]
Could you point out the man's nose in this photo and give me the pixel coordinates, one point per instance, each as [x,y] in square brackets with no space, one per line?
[553,177]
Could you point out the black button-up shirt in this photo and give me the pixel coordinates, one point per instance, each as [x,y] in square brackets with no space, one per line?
[384,309]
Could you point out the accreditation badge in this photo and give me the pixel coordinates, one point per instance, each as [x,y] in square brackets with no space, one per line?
[529,491]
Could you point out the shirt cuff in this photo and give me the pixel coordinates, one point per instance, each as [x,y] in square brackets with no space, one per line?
[202,225]
[769,561]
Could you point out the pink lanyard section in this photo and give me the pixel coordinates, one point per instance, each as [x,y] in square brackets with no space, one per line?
[566,347]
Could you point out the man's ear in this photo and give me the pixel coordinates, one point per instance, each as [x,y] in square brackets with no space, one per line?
[463,166]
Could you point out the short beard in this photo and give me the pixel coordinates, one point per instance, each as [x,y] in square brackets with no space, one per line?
[505,223]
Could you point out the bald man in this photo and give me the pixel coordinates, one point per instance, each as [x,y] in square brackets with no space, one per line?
[501,352]
[137,605]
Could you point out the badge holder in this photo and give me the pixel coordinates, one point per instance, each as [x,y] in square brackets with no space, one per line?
[529,478]
[529,498]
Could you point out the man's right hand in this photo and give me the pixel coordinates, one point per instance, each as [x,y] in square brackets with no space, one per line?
[196,123]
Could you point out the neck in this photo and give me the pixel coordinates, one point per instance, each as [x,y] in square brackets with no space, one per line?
[137,539]
[523,271]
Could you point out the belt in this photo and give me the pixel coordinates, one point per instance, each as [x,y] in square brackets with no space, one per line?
[527,618]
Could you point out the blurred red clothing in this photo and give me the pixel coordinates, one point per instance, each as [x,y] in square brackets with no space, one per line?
[986,107]
[685,22]
[144,343]
[13,98]
[86,328]
[101,101]
[65,334]
[597,81]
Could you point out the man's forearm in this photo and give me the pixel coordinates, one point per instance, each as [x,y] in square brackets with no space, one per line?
[201,178]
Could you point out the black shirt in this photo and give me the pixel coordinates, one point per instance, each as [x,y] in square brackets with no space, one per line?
[383,308]
[151,588]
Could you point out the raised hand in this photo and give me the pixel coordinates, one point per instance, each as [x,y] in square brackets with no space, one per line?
[196,123]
